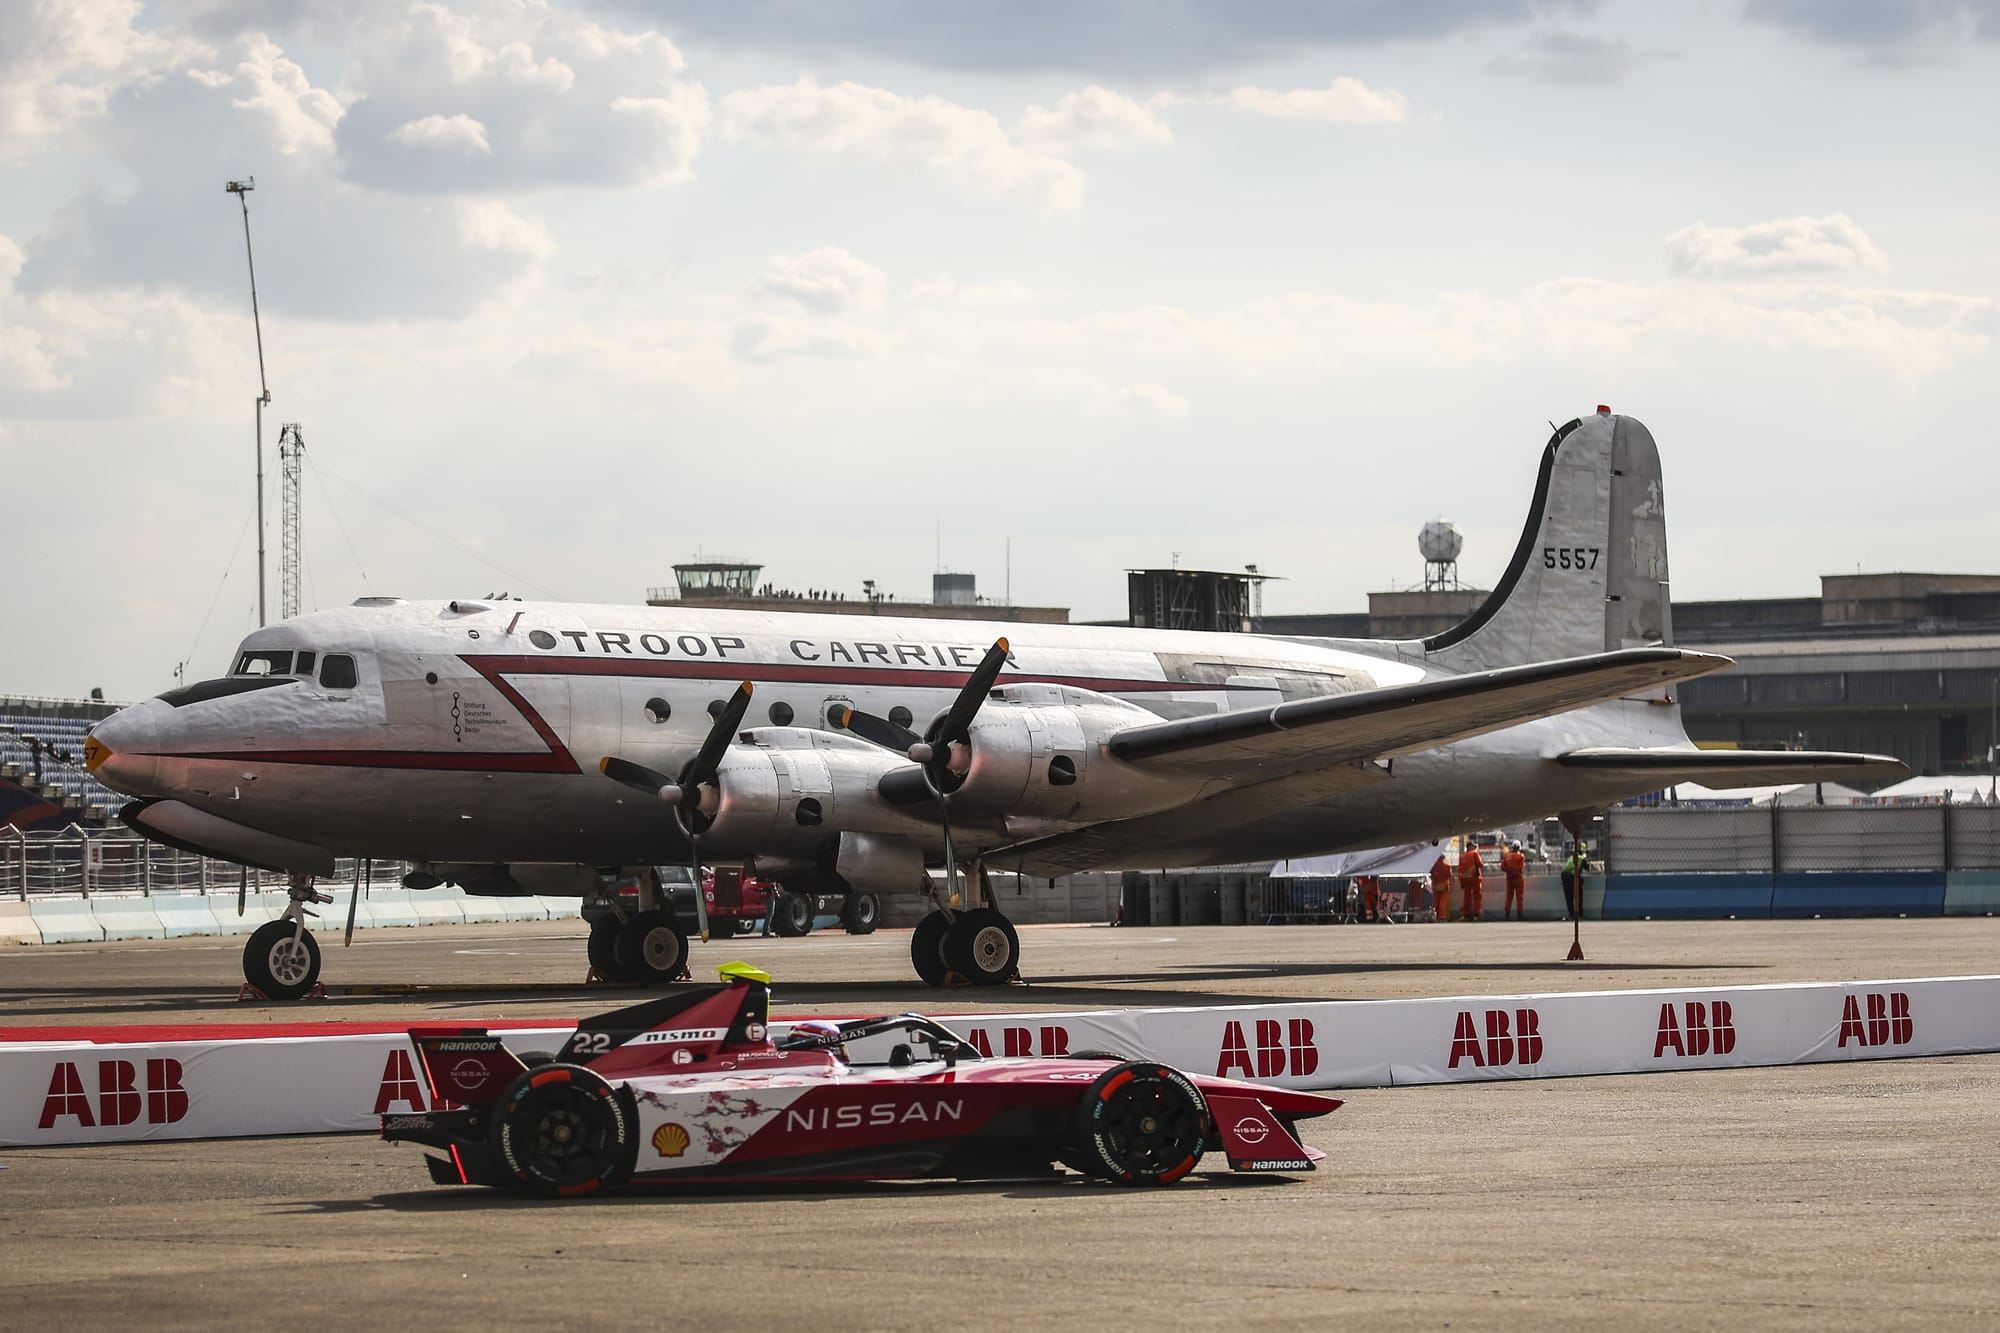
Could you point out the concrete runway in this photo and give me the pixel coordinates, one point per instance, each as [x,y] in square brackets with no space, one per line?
[535,970]
[1789,1198]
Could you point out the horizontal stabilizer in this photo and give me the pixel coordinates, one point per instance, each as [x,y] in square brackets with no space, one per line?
[1255,744]
[1724,769]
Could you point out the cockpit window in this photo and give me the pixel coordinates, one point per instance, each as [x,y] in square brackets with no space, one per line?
[264,663]
[336,671]
[305,665]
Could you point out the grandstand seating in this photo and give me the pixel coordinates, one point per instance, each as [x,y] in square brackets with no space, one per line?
[41,754]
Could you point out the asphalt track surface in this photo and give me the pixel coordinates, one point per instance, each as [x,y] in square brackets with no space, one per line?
[1852,1194]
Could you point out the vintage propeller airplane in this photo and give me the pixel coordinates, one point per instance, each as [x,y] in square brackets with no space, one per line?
[523,746]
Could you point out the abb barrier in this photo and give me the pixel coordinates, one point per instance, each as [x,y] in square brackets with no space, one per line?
[79,1091]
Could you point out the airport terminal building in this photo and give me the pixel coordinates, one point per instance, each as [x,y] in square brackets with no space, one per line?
[1898,664]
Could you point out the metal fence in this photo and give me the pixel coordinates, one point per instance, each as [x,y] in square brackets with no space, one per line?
[88,862]
[1791,838]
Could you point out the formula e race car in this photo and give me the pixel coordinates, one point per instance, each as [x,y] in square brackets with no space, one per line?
[692,1087]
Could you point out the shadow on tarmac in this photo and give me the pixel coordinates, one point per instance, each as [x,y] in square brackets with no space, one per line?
[457,1199]
[1193,987]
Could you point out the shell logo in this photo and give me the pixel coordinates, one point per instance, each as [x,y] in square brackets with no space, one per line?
[670,1140]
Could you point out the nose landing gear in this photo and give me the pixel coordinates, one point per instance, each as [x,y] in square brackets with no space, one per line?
[281,958]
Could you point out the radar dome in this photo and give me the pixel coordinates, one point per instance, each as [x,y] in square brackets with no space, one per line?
[1440,542]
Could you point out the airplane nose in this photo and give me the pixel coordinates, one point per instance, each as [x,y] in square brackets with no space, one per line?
[115,752]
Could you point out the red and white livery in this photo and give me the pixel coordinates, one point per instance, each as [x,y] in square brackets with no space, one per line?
[692,1087]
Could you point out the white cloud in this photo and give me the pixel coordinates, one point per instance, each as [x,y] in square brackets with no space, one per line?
[828,280]
[1575,59]
[967,147]
[1344,101]
[776,337]
[555,98]
[1783,245]
[302,117]
[1093,118]
[459,133]
[1144,399]
[944,290]
[490,225]
[60,64]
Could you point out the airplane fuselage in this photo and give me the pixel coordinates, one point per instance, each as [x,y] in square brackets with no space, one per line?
[472,731]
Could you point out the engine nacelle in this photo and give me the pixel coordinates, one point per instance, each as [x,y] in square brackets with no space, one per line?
[1037,751]
[788,790]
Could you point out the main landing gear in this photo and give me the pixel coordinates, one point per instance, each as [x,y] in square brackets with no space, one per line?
[281,958]
[977,946]
[646,950]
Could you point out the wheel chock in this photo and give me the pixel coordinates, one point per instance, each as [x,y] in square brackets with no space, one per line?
[250,994]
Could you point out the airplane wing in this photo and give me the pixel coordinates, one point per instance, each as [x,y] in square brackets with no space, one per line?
[1256,744]
[1724,769]
[1311,750]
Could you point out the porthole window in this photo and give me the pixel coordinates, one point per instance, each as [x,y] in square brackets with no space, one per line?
[541,638]
[808,813]
[781,714]
[900,716]
[715,707]
[658,710]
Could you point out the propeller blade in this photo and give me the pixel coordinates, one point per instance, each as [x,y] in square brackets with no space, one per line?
[876,730]
[354,905]
[709,760]
[242,888]
[640,778]
[958,722]
[700,895]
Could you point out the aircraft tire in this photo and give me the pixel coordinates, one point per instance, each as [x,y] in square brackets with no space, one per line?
[861,913]
[795,915]
[650,950]
[560,1129]
[602,948]
[1141,1123]
[278,965]
[927,949]
[982,947]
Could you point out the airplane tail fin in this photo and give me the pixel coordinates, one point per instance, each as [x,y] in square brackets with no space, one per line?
[1590,573]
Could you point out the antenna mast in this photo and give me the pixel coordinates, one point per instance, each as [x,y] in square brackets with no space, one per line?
[291,462]
[241,189]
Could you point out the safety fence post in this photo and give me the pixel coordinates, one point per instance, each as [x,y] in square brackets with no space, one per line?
[21,860]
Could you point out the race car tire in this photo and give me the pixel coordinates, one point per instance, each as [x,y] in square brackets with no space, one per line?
[650,950]
[794,916]
[602,947]
[1141,1123]
[861,913]
[560,1129]
[279,965]
[982,947]
[927,949]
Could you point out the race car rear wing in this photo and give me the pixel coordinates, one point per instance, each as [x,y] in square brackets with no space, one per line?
[464,1066]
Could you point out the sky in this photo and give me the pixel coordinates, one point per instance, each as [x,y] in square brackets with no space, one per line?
[562,294]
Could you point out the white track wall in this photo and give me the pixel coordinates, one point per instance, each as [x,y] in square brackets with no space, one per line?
[102,1091]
